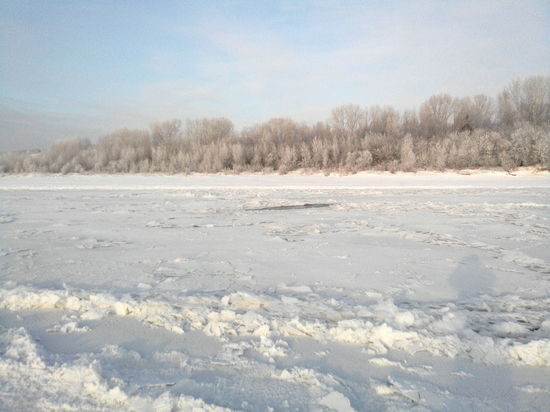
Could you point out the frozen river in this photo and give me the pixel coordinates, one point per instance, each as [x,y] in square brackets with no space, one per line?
[275,293]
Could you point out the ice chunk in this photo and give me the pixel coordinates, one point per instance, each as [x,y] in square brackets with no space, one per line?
[404,319]
[300,375]
[337,401]
[69,327]
[535,353]
[510,329]
[94,314]
[545,326]
[244,300]
[385,310]
[451,322]
[217,329]
[270,348]
[73,303]
[121,308]
[164,403]
[385,362]
[20,347]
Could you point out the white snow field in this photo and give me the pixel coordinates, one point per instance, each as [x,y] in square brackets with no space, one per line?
[372,292]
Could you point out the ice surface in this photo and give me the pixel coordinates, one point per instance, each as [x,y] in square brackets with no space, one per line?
[405,292]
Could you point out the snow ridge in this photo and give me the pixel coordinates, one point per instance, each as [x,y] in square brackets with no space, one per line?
[490,330]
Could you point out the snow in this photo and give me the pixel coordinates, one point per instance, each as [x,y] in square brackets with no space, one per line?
[372,292]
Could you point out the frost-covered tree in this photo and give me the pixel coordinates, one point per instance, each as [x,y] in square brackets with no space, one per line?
[408,158]
[410,123]
[209,130]
[446,133]
[166,134]
[525,101]
[119,150]
[436,115]
[483,112]
[384,120]
[348,123]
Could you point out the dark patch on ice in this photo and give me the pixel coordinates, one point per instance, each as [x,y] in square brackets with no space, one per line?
[292,207]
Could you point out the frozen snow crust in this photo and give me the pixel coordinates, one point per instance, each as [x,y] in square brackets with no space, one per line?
[427,292]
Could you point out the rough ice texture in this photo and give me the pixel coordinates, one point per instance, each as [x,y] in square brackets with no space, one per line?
[446,331]
[152,293]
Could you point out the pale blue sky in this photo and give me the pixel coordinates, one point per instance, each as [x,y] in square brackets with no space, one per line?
[83,68]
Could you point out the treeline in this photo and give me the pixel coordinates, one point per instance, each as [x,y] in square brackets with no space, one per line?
[445,133]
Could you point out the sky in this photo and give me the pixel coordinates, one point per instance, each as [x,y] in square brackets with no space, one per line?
[83,68]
